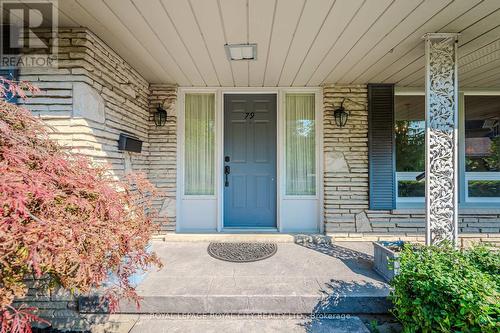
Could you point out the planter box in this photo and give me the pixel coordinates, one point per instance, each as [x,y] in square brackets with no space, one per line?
[386,261]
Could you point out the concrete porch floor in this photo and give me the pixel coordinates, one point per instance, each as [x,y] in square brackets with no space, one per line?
[298,279]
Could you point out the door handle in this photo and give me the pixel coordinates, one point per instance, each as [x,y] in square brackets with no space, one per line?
[227,171]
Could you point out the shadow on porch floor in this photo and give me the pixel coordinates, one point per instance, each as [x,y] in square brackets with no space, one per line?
[298,279]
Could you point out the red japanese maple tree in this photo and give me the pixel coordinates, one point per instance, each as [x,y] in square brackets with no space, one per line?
[64,218]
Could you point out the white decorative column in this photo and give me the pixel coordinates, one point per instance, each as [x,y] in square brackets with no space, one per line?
[441,118]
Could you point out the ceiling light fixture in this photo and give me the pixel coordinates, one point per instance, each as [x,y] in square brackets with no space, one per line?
[241,51]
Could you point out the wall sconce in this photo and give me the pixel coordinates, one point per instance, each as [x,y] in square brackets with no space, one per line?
[160,116]
[341,115]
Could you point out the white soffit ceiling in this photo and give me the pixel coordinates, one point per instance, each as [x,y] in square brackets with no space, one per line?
[299,42]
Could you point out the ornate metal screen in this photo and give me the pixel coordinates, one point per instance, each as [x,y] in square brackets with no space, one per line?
[441,137]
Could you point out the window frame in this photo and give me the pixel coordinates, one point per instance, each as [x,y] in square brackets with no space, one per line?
[465,176]
[464,200]
[404,175]
[315,119]
[406,202]
[183,135]
[292,211]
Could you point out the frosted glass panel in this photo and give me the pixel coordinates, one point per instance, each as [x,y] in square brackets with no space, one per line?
[199,176]
[300,145]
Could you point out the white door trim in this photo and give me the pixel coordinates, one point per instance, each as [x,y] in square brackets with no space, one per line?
[219,151]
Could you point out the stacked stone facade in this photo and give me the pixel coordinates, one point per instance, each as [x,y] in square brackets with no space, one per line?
[93,96]
[346,160]
[346,183]
[87,101]
[163,154]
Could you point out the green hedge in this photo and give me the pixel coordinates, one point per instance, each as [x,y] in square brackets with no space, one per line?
[448,290]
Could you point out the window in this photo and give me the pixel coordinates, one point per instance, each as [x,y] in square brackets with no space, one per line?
[300,144]
[409,131]
[199,144]
[482,148]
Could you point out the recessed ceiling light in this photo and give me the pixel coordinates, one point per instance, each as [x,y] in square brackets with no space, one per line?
[241,51]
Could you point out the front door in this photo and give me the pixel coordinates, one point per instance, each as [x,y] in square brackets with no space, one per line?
[249,160]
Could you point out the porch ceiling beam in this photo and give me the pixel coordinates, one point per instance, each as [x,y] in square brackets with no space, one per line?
[441,118]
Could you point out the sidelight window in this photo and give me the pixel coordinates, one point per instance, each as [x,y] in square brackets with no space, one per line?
[199,140]
[300,144]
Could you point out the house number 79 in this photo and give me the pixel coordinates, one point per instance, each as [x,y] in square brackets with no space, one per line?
[249,114]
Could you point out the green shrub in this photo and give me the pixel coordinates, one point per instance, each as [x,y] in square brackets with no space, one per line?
[486,259]
[447,290]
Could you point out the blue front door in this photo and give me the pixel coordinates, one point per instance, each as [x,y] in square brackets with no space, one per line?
[249,160]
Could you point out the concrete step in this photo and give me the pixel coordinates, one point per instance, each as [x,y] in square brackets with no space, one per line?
[355,303]
[298,279]
[261,325]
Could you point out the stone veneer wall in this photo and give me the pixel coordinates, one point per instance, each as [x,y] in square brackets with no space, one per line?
[163,153]
[93,96]
[346,161]
[87,101]
[346,182]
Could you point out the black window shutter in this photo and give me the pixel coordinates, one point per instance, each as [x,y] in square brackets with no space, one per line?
[10,74]
[381,146]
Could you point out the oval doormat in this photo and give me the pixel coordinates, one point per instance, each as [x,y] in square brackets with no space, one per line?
[241,252]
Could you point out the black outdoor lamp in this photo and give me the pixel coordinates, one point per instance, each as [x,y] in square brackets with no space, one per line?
[341,115]
[160,116]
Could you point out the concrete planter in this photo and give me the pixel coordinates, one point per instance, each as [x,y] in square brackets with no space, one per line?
[386,260]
